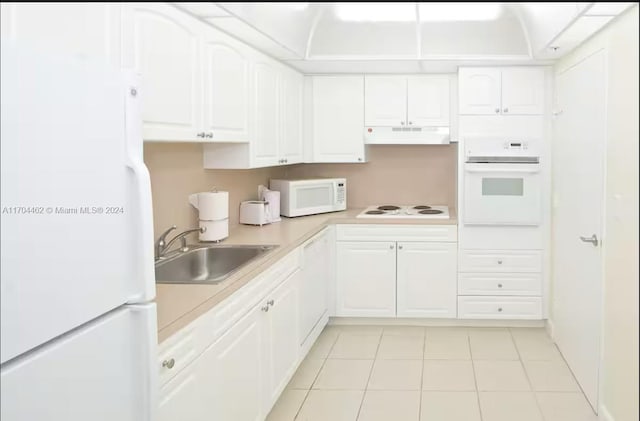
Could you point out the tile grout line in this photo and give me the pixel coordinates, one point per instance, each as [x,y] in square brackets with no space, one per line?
[424,348]
[366,386]
[475,380]
[317,374]
[526,373]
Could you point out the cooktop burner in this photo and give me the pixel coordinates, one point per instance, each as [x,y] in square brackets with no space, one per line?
[388,207]
[429,211]
[406,212]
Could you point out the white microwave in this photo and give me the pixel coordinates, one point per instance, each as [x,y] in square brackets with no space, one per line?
[310,196]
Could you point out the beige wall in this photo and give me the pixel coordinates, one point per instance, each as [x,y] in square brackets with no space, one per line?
[176,172]
[619,376]
[403,174]
[394,174]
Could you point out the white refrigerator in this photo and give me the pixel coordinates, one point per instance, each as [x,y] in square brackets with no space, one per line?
[78,325]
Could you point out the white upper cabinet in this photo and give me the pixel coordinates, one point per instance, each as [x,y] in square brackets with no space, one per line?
[501,91]
[86,29]
[523,91]
[338,119]
[226,72]
[291,138]
[407,100]
[163,45]
[385,101]
[428,100]
[266,97]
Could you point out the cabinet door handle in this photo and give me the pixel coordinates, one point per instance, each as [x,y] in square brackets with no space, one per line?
[411,122]
[270,303]
[265,308]
[210,134]
[497,110]
[593,240]
[359,159]
[402,123]
[391,247]
[499,285]
[201,134]
[400,247]
[500,309]
[286,161]
[499,262]
[169,363]
[506,110]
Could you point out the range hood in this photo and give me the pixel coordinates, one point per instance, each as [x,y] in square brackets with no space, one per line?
[429,135]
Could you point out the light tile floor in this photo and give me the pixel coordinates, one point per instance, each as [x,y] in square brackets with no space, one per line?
[403,373]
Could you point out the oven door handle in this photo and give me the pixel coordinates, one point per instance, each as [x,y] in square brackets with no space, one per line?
[503,170]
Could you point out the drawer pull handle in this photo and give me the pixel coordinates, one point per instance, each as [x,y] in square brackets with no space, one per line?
[499,309]
[499,262]
[169,363]
[270,303]
[499,285]
[265,308]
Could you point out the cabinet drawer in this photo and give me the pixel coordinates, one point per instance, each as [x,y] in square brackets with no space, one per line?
[499,283]
[500,261]
[176,353]
[499,307]
[366,232]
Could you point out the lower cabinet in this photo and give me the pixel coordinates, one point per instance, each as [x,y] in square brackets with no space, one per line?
[366,279]
[241,374]
[426,280]
[314,282]
[396,279]
[281,328]
[232,372]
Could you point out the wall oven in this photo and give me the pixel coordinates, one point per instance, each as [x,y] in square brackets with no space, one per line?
[502,182]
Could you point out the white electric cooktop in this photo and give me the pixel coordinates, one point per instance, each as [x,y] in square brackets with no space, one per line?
[407,211]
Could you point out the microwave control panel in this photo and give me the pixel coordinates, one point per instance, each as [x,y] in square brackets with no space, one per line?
[340,193]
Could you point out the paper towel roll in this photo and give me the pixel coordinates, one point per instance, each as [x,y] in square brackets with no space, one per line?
[214,230]
[212,206]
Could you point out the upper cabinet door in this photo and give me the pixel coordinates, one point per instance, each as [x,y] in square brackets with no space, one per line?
[428,100]
[338,118]
[162,44]
[522,90]
[226,88]
[479,91]
[291,146]
[266,139]
[85,29]
[385,100]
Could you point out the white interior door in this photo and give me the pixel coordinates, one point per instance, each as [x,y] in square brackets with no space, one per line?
[579,146]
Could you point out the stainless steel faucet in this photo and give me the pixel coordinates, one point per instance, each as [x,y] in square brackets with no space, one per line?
[162,246]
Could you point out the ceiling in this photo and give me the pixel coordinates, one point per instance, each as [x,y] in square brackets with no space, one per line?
[408,37]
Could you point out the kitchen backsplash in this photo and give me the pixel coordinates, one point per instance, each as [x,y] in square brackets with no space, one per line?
[394,174]
[176,172]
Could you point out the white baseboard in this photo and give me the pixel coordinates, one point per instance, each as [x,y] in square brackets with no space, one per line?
[392,321]
[604,414]
[550,329]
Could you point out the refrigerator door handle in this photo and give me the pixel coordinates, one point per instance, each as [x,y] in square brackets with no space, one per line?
[146,274]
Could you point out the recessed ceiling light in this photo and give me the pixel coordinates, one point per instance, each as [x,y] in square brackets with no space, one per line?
[376,12]
[445,12]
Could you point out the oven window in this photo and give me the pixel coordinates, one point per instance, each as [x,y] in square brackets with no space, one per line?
[502,186]
[312,197]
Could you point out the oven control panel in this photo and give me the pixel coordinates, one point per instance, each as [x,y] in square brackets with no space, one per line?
[516,146]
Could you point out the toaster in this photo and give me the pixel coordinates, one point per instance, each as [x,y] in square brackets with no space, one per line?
[254,212]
